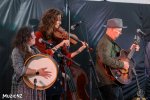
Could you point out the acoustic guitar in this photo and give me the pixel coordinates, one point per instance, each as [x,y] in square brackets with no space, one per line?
[121,75]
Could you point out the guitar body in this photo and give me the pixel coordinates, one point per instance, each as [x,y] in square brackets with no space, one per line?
[121,75]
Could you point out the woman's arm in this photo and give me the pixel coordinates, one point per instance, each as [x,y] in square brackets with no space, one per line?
[73,54]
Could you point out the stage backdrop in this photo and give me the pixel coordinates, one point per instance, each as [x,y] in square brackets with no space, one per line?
[94,14]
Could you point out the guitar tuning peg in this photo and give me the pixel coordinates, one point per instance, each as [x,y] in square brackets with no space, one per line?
[136,39]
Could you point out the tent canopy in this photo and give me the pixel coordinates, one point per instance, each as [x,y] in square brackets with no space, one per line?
[127,1]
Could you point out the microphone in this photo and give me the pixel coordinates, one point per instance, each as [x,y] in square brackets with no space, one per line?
[139,31]
[43,41]
[76,25]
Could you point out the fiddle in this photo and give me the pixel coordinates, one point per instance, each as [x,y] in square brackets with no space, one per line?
[60,33]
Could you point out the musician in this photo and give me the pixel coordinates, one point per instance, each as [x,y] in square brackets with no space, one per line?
[106,52]
[23,49]
[49,24]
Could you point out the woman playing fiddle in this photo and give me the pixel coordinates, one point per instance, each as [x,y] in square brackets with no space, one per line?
[49,25]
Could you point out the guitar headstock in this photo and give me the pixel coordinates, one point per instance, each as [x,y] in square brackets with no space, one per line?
[136,39]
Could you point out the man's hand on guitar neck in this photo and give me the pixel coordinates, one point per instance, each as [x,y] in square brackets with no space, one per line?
[126,65]
[137,47]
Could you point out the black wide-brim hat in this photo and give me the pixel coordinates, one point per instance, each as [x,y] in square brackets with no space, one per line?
[115,23]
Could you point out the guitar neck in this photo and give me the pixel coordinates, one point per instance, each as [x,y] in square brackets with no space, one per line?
[131,53]
[137,40]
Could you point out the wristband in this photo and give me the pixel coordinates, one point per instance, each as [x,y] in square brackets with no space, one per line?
[37,73]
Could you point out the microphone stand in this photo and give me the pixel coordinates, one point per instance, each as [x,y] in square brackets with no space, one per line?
[67,70]
[35,90]
[92,70]
[93,74]
[67,12]
[140,92]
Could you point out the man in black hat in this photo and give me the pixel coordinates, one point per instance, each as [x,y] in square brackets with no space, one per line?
[106,52]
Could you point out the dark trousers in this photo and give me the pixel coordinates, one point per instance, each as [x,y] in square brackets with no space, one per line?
[54,92]
[111,92]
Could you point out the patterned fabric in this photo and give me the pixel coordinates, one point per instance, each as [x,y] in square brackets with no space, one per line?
[18,86]
[106,53]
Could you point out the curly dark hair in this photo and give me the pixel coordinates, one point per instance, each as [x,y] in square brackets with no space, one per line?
[48,20]
[22,37]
